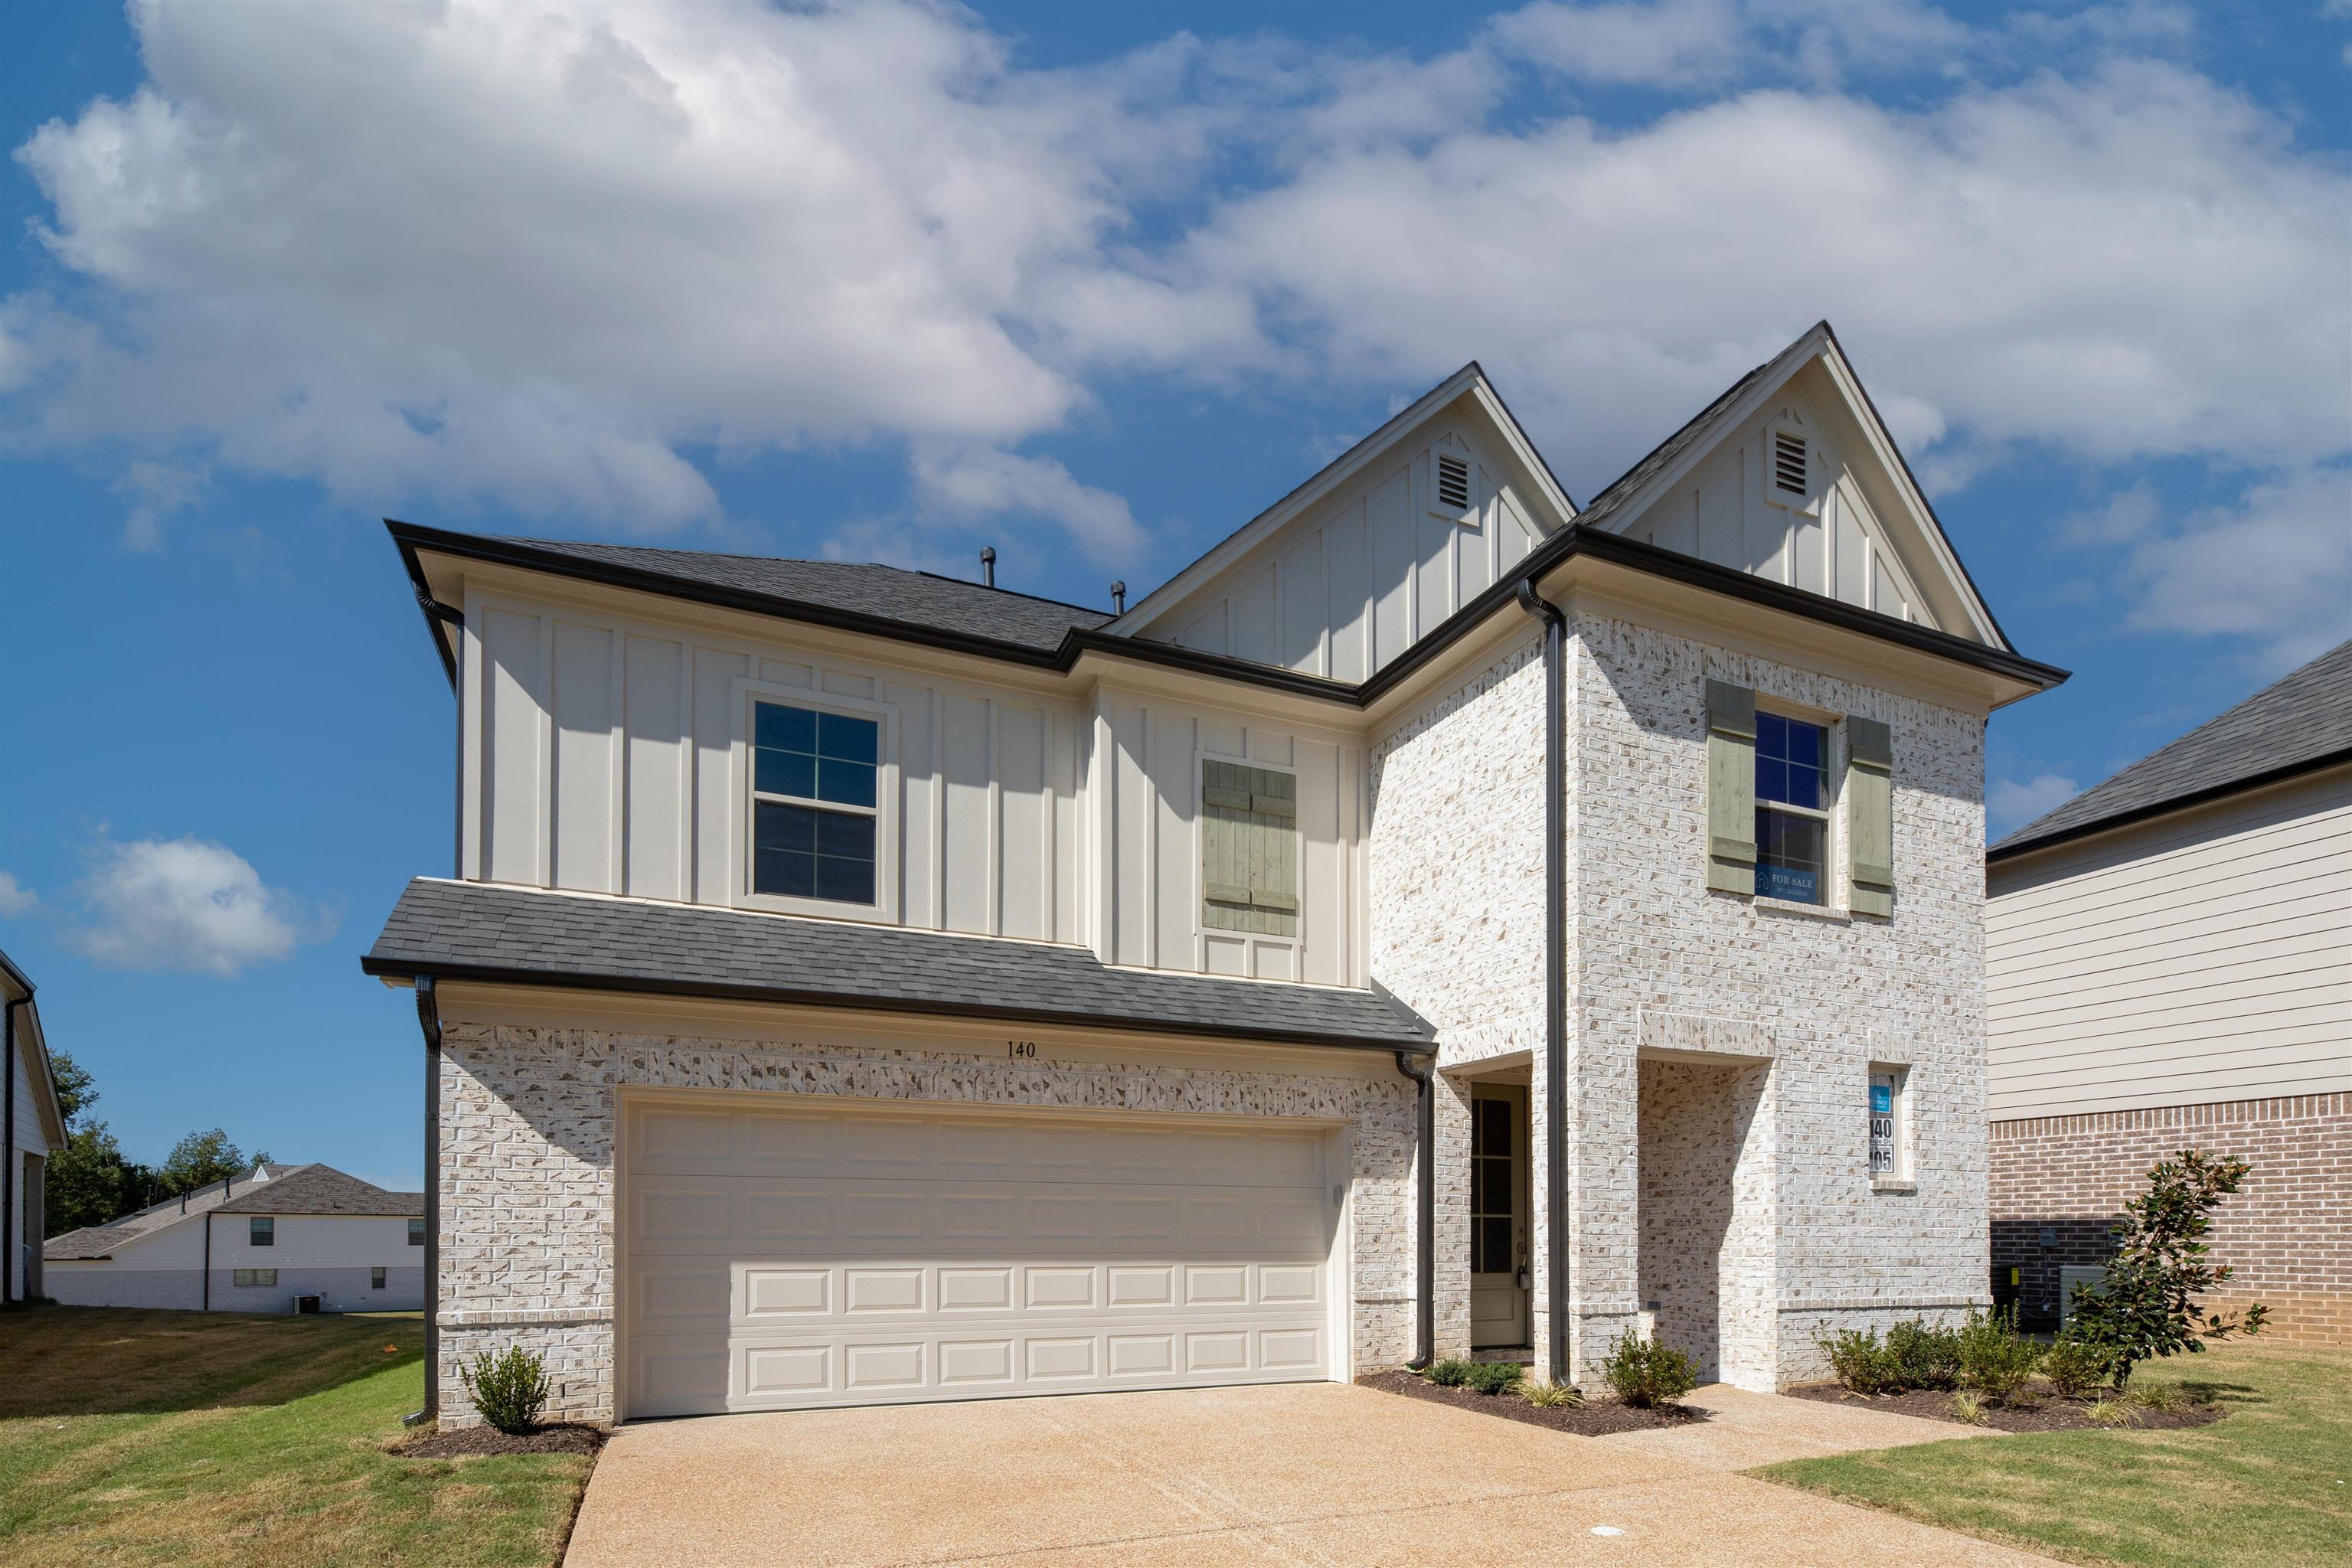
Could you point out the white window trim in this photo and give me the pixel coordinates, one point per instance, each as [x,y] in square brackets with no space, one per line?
[1471,513]
[1903,1178]
[1811,502]
[1831,817]
[884,911]
[1203,931]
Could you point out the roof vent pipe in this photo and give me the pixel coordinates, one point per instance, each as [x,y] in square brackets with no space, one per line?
[1118,597]
[988,567]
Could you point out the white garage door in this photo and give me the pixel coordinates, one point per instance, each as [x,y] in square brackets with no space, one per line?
[786,1257]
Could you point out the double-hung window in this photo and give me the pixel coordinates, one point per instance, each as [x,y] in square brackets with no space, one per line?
[250,1277]
[815,804]
[416,1233]
[261,1230]
[1792,809]
[375,1279]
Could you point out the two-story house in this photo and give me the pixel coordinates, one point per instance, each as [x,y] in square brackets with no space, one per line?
[1436,920]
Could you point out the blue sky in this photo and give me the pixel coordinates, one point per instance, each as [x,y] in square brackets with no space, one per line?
[1091,283]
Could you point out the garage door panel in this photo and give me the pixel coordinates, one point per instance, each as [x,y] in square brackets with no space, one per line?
[801,1259]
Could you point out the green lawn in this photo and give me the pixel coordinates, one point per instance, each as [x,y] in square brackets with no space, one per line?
[2270,1487]
[199,1438]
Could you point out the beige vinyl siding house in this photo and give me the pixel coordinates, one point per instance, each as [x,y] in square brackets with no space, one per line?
[859,986]
[34,1129]
[2168,963]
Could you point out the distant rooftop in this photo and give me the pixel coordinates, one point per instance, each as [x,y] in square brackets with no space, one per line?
[2301,722]
[286,1189]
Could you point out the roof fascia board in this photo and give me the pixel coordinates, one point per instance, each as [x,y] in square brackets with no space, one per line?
[1890,459]
[791,996]
[1315,488]
[2285,773]
[1537,472]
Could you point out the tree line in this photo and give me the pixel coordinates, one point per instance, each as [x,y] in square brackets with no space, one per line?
[92,1181]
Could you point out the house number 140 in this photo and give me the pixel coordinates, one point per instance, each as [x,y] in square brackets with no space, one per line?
[1026,1050]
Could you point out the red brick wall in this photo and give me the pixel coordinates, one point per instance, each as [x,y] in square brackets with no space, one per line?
[2058,1183]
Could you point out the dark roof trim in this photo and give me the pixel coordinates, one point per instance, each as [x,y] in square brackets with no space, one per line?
[793,996]
[1571,541]
[2013,849]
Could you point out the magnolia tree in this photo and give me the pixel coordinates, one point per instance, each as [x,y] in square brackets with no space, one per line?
[2148,1305]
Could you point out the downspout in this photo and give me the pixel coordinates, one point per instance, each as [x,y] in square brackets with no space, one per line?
[428,1019]
[1555,969]
[1424,1225]
[8,1244]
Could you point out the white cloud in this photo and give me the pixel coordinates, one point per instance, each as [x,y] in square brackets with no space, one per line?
[190,905]
[16,899]
[2011,803]
[2275,569]
[548,256]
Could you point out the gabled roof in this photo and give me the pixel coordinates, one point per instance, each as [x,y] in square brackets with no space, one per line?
[1630,491]
[483,932]
[2297,724]
[311,1189]
[886,592]
[33,1043]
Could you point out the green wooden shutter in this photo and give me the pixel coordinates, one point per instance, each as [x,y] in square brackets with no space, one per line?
[1731,787]
[1870,815]
[1249,849]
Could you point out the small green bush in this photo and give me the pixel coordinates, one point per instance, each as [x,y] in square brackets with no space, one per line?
[1925,1357]
[1995,1360]
[1493,1377]
[510,1390]
[1645,1373]
[2074,1367]
[1451,1373]
[1859,1360]
[1551,1395]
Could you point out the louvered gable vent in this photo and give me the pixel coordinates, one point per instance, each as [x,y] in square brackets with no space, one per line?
[1789,462]
[1453,483]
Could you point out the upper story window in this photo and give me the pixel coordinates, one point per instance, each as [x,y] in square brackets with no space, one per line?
[416,1233]
[815,810]
[261,1231]
[1792,809]
[1249,849]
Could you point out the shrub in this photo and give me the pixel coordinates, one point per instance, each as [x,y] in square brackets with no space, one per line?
[2073,1367]
[1451,1372]
[2146,1305]
[2112,1413]
[510,1390]
[1645,1373]
[1493,1377]
[1859,1360]
[2162,1396]
[1923,1357]
[1551,1395]
[1968,1407]
[1995,1361]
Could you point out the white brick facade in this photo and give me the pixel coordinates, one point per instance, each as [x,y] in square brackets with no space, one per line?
[527,1177]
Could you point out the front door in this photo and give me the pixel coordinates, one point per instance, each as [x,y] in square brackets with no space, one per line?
[1498,1215]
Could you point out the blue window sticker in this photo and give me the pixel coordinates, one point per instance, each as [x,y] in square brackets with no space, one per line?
[1882,1100]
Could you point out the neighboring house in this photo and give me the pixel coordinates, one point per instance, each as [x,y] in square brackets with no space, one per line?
[2170,964]
[255,1243]
[857,986]
[32,1128]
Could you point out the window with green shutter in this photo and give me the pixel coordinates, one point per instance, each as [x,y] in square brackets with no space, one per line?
[1870,815]
[1249,849]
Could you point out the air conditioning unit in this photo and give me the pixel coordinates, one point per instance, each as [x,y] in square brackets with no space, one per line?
[2071,1275]
[305,1303]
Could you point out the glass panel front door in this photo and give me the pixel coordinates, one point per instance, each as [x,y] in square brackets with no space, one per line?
[1498,1215]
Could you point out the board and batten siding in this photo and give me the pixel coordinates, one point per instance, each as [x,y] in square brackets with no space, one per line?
[2200,957]
[1837,547]
[30,1139]
[603,757]
[1345,588]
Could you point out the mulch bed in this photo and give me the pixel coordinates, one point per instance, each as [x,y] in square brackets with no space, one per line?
[561,1438]
[2049,1414]
[1596,1419]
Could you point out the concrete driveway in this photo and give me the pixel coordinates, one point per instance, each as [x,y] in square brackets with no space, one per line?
[1319,1474]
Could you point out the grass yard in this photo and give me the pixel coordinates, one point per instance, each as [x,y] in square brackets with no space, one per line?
[201,1438]
[2270,1487]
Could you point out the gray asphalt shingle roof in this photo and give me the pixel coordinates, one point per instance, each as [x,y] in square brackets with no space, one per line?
[290,1189]
[889,592]
[2301,719]
[483,930]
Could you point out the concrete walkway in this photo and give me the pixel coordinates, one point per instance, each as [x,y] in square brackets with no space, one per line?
[1321,1475]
